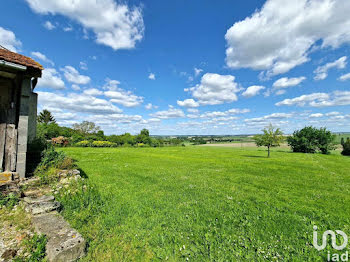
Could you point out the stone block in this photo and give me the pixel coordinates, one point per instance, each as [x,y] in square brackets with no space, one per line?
[6,177]
[64,243]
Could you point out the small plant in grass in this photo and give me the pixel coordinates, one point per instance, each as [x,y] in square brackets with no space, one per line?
[10,200]
[272,137]
[36,247]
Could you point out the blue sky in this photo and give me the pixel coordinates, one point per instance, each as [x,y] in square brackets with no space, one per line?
[187,67]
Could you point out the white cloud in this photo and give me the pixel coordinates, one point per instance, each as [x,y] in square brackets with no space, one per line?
[285,82]
[75,87]
[281,35]
[188,103]
[68,29]
[79,103]
[344,77]
[49,26]
[170,113]
[233,111]
[149,106]
[197,71]
[336,98]
[215,89]
[114,24]
[51,79]
[93,92]
[8,40]
[42,57]
[252,91]
[268,118]
[152,76]
[322,71]
[83,66]
[72,75]
[316,115]
[334,113]
[193,110]
[121,96]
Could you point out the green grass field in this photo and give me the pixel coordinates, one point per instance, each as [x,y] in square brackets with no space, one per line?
[208,204]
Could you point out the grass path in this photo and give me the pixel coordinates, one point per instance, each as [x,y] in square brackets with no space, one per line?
[209,204]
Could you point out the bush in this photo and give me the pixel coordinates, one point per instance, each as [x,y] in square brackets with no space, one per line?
[346,147]
[103,144]
[83,143]
[310,140]
[35,152]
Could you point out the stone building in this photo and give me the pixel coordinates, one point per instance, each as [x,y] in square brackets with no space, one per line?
[18,109]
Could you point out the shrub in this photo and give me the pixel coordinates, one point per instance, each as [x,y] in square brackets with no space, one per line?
[346,147]
[102,144]
[35,152]
[310,140]
[83,143]
[60,141]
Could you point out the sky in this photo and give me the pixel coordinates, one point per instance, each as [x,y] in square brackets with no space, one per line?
[184,67]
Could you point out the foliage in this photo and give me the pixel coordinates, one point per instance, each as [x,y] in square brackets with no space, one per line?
[51,161]
[36,247]
[46,117]
[35,150]
[8,200]
[310,140]
[272,137]
[86,127]
[102,144]
[83,143]
[206,204]
[346,147]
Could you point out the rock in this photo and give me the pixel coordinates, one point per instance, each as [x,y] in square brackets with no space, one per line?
[43,207]
[6,177]
[67,173]
[31,200]
[64,243]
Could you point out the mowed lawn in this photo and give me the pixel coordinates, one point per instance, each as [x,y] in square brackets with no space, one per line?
[208,204]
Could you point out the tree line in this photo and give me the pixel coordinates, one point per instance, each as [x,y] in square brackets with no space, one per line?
[89,134]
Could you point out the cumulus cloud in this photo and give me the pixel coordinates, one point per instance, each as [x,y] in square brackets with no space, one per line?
[79,103]
[93,92]
[73,76]
[75,87]
[188,103]
[49,26]
[252,91]
[152,76]
[322,71]
[170,113]
[344,77]
[115,24]
[121,96]
[336,98]
[42,57]
[281,35]
[51,79]
[149,106]
[8,40]
[215,89]
[316,115]
[268,118]
[285,82]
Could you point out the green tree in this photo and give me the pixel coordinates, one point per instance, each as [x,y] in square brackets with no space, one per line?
[86,127]
[310,140]
[346,147]
[272,137]
[46,117]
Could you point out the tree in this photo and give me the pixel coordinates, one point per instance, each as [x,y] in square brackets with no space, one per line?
[310,140]
[272,137]
[346,147]
[46,117]
[86,127]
